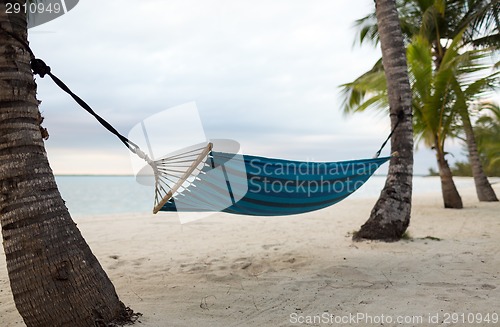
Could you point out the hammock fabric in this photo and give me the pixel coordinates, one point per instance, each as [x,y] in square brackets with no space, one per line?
[251,185]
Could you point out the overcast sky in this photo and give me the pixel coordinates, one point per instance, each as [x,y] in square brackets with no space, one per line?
[264,73]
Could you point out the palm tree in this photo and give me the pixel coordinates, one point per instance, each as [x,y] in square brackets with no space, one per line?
[440,97]
[432,119]
[435,108]
[55,278]
[487,131]
[390,216]
[440,21]
[467,97]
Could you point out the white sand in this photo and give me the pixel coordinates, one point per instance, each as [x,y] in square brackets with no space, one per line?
[244,271]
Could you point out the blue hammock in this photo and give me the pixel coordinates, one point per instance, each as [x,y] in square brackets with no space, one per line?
[252,185]
[239,184]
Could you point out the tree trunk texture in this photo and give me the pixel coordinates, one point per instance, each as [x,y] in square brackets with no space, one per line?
[451,198]
[483,188]
[55,278]
[390,216]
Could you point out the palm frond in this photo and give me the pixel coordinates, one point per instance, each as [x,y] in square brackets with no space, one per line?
[356,94]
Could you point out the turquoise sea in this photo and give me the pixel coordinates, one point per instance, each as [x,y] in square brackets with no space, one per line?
[102,195]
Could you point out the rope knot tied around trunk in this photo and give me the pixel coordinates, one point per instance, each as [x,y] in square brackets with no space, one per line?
[39,67]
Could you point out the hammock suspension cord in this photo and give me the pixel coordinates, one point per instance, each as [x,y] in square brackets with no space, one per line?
[39,67]
[400,115]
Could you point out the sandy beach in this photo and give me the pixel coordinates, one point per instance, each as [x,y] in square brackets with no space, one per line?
[229,270]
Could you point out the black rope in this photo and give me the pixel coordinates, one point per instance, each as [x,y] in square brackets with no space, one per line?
[400,118]
[39,67]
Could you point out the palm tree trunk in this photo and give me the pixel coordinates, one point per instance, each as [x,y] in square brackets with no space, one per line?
[451,197]
[55,278]
[483,188]
[391,214]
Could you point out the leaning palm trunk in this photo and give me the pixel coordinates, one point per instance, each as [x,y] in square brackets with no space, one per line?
[483,188]
[451,198]
[391,214]
[55,278]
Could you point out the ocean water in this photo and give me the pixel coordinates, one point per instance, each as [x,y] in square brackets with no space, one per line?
[101,195]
